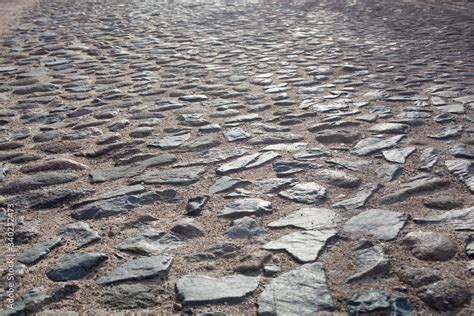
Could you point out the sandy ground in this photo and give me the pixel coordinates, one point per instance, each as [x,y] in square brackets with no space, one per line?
[11,10]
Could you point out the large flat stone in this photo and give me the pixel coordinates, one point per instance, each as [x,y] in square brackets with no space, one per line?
[195,290]
[309,219]
[380,224]
[302,291]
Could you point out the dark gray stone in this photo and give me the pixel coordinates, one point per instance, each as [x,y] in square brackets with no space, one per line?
[139,269]
[37,252]
[75,266]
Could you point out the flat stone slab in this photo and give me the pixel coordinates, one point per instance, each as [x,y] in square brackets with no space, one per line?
[151,242]
[75,266]
[371,145]
[462,219]
[309,219]
[245,207]
[305,246]
[413,188]
[139,269]
[36,181]
[248,161]
[380,224]
[179,176]
[361,197]
[370,262]
[302,291]
[37,252]
[307,193]
[193,290]
[464,170]
[398,155]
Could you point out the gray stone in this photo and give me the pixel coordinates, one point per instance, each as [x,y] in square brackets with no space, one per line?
[414,188]
[389,128]
[173,141]
[388,172]
[193,98]
[464,170]
[245,207]
[180,176]
[444,202]
[151,242]
[275,138]
[245,227]
[370,262]
[37,252]
[445,295]
[188,228]
[235,134]
[361,197]
[339,137]
[307,193]
[371,145]
[75,266]
[270,185]
[462,219]
[460,151]
[309,219]
[338,178]
[225,183]
[302,291]
[380,224]
[255,261]
[195,290]
[218,251]
[79,232]
[398,155]
[139,269]
[196,204]
[288,168]
[247,162]
[370,302]
[115,205]
[131,296]
[305,246]
[449,132]
[131,170]
[54,165]
[36,181]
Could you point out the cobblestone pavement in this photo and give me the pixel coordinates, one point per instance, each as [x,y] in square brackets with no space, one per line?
[246,157]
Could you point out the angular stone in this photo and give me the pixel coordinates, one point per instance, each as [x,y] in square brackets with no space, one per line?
[196,204]
[338,178]
[245,227]
[180,176]
[307,193]
[235,134]
[339,137]
[245,207]
[247,162]
[150,243]
[288,168]
[188,228]
[139,269]
[429,156]
[370,302]
[398,155]
[430,246]
[302,291]
[36,181]
[37,252]
[75,266]
[131,296]
[361,197]
[115,205]
[414,188]
[371,145]
[309,218]
[389,128]
[464,170]
[193,98]
[253,262]
[443,202]
[173,141]
[79,232]
[275,138]
[305,246]
[54,165]
[131,170]
[370,262]
[218,251]
[380,224]
[193,290]
[462,219]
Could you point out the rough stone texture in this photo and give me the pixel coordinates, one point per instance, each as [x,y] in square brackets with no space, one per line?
[462,219]
[75,266]
[445,295]
[300,291]
[430,246]
[380,224]
[201,290]
[309,218]
[307,193]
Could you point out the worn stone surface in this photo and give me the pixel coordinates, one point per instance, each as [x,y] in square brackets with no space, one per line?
[201,290]
[430,246]
[307,193]
[75,266]
[380,224]
[300,291]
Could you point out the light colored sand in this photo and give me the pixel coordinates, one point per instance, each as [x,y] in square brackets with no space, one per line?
[11,11]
